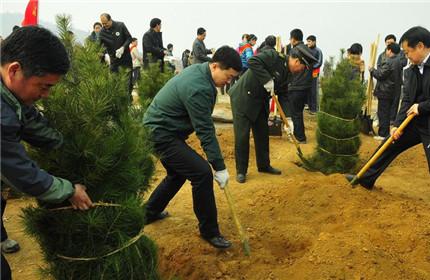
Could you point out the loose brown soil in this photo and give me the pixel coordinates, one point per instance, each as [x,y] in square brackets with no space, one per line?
[301,225]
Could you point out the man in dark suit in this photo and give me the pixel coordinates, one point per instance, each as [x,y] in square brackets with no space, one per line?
[250,102]
[416,100]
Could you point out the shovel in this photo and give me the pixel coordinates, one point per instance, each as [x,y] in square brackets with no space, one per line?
[289,131]
[243,237]
[382,149]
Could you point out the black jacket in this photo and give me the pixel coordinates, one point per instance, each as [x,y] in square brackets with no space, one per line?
[248,95]
[409,94]
[114,38]
[389,78]
[152,44]
[302,80]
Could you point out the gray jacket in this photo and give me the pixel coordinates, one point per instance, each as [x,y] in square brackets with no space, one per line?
[200,52]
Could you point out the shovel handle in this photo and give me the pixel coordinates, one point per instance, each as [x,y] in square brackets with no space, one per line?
[239,227]
[387,143]
[284,119]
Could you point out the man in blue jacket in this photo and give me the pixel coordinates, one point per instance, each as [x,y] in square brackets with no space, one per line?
[32,61]
[183,106]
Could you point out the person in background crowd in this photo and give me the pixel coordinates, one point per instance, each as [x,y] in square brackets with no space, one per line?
[388,85]
[313,93]
[152,43]
[137,60]
[95,34]
[200,53]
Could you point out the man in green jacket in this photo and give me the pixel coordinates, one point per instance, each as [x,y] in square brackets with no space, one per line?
[32,61]
[250,102]
[182,106]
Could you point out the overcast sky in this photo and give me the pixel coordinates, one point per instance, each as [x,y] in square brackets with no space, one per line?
[336,24]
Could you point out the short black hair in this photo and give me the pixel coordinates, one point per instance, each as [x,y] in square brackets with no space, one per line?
[97,23]
[200,30]
[296,34]
[394,47]
[38,51]
[154,22]
[169,46]
[312,38]
[106,15]
[134,39]
[252,37]
[270,41]
[228,58]
[390,36]
[356,48]
[415,35]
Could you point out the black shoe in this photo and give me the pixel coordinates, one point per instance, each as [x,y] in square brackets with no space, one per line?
[218,242]
[150,218]
[241,178]
[270,170]
[351,177]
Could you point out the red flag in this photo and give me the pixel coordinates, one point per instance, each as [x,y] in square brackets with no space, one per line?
[31,12]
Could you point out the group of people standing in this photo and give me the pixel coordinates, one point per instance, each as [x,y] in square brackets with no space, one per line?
[185,105]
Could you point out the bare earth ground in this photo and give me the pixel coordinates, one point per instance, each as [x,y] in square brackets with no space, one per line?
[301,225]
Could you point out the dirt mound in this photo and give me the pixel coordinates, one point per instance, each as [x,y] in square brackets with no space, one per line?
[301,225]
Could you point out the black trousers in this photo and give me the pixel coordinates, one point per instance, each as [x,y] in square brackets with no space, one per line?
[183,163]
[413,134]
[260,130]
[6,273]
[285,104]
[313,96]
[384,113]
[3,230]
[5,268]
[135,75]
[297,99]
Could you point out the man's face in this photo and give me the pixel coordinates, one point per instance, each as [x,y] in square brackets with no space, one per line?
[157,28]
[97,28]
[202,36]
[220,76]
[416,55]
[389,41]
[105,22]
[310,43]
[253,42]
[295,66]
[293,42]
[29,89]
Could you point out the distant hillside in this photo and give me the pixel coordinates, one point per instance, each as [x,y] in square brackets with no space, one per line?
[8,20]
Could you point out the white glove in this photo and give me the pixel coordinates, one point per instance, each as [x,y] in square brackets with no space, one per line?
[221,177]
[269,86]
[119,52]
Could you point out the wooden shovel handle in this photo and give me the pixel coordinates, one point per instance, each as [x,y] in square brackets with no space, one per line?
[387,143]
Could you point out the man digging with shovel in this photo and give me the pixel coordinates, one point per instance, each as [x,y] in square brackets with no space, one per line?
[415,104]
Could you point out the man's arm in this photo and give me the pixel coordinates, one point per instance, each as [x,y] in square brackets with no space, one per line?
[199,108]
[127,36]
[37,131]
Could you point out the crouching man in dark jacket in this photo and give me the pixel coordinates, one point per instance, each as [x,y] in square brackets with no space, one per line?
[32,61]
